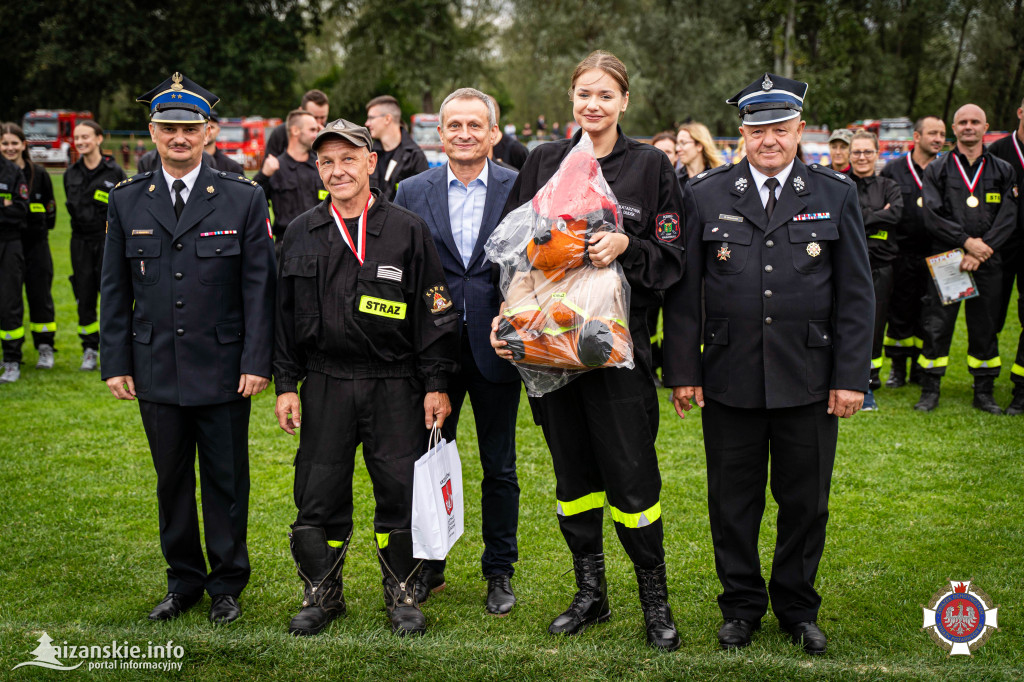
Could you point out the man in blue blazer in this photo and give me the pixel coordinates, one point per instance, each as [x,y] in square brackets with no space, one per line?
[461,203]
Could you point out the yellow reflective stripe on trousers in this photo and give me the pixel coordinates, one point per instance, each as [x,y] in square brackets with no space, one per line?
[89,328]
[975,363]
[1017,369]
[580,505]
[876,363]
[43,326]
[931,364]
[644,518]
[909,342]
[382,539]
[12,334]
[336,544]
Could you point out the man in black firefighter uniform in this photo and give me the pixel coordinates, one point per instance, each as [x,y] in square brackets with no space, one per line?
[290,180]
[910,271]
[13,216]
[970,203]
[782,255]
[366,323]
[1011,150]
[398,155]
[187,328]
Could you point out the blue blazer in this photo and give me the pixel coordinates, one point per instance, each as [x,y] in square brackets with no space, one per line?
[471,288]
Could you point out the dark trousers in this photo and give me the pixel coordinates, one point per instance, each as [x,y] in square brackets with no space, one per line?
[86,262]
[939,322]
[12,308]
[882,278]
[903,337]
[1013,269]
[495,408]
[386,416]
[601,429]
[38,286]
[799,446]
[220,434]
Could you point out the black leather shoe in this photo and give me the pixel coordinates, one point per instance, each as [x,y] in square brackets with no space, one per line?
[173,605]
[500,597]
[735,632]
[809,635]
[430,582]
[224,609]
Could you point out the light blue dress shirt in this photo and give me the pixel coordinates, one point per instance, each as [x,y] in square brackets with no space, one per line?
[466,211]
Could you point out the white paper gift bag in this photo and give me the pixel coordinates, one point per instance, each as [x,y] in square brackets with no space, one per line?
[438,508]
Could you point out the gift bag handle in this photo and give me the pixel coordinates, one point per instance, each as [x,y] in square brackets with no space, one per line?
[435,437]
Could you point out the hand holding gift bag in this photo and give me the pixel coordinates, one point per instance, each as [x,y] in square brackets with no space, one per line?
[438,509]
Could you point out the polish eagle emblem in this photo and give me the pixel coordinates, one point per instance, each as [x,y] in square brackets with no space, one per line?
[960,617]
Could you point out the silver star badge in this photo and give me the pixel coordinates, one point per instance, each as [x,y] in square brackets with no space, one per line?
[741,184]
[767,84]
[798,184]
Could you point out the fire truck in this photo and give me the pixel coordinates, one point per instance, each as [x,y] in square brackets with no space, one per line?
[245,139]
[50,134]
[424,133]
[895,136]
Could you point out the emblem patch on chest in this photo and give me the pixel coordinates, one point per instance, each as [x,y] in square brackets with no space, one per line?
[667,227]
[724,252]
[438,299]
[813,250]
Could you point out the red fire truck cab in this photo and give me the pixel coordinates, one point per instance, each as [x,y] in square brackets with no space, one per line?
[245,139]
[50,134]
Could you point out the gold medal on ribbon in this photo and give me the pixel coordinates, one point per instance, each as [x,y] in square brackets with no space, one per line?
[972,201]
[920,201]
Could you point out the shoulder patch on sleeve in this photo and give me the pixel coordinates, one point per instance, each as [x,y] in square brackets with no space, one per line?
[829,173]
[437,298]
[704,175]
[666,227]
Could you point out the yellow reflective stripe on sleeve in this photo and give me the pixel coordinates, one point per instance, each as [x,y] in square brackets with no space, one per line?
[931,364]
[509,312]
[1017,369]
[37,208]
[644,518]
[876,363]
[975,363]
[881,234]
[580,505]
[43,326]
[100,195]
[382,540]
[382,307]
[12,334]
[321,195]
[89,328]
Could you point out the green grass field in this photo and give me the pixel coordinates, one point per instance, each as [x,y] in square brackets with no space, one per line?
[917,499]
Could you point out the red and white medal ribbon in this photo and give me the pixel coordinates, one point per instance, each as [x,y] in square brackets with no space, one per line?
[977,176]
[1016,147]
[917,178]
[358,248]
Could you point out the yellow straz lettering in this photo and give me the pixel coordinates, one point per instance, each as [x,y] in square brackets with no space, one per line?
[993,198]
[382,307]
[37,208]
[322,194]
[881,234]
[100,195]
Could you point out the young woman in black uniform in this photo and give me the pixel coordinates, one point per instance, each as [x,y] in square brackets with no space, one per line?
[601,427]
[35,244]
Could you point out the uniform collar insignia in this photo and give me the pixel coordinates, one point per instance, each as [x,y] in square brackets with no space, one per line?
[741,185]
[798,184]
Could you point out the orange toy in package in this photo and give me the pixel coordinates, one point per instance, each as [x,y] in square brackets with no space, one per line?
[563,315]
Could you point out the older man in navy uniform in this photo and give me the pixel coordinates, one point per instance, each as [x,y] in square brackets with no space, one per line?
[788,307]
[187,328]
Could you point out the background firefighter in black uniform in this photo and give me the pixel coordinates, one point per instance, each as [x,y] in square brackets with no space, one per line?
[290,179]
[910,271]
[602,426]
[1011,150]
[881,205]
[42,216]
[87,185]
[970,202]
[365,321]
[398,155]
[13,213]
[786,349]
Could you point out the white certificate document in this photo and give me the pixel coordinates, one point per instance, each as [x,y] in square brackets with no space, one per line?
[954,285]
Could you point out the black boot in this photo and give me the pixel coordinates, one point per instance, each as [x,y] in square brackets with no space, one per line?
[915,372]
[875,383]
[661,630]
[983,399]
[929,393]
[1016,406]
[319,566]
[590,605]
[898,374]
[400,570]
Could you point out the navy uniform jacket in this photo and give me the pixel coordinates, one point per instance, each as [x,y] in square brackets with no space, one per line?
[789,303]
[187,305]
[472,289]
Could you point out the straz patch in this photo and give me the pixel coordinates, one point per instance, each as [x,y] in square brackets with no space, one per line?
[101,196]
[437,299]
[631,212]
[811,216]
[382,307]
[993,198]
[666,227]
[138,232]
[217,233]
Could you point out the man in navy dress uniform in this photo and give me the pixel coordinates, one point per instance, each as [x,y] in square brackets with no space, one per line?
[187,328]
[788,307]
[461,203]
